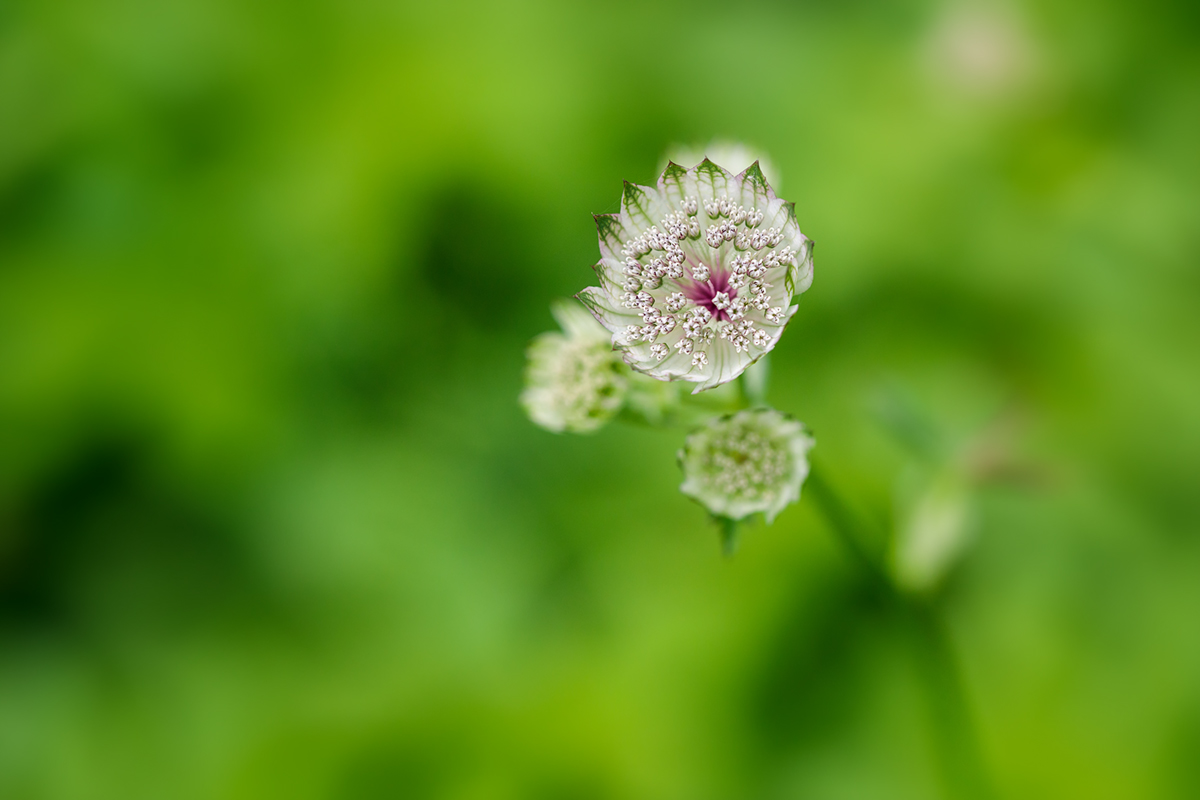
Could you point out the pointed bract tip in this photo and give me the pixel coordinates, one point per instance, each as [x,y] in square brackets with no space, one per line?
[713,168]
[672,170]
[634,200]
[589,303]
[606,222]
[754,174]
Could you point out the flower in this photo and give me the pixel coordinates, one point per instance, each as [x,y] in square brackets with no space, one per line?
[574,381]
[697,274]
[749,462]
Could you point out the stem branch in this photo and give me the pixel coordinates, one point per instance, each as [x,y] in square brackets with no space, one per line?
[956,741]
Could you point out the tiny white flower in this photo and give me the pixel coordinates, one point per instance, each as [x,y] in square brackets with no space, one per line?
[704,277]
[574,381]
[746,463]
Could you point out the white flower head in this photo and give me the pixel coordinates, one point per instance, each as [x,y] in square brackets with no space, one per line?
[749,462]
[710,249]
[574,381]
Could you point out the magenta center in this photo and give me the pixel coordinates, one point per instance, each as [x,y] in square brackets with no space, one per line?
[702,294]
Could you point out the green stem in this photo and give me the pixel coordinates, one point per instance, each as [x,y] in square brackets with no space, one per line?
[960,756]
[845,527]
[956,741]
[729,535]
[755,381]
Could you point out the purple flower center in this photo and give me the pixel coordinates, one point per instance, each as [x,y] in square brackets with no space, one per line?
[703,294]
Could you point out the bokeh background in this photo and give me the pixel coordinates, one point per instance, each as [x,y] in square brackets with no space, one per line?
[273,525]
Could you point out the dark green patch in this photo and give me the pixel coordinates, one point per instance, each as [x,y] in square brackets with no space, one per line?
[104,539]
[464,274]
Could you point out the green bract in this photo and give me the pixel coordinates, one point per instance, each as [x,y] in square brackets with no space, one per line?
[749,462]
[697,274]
[733,156]
[574,381]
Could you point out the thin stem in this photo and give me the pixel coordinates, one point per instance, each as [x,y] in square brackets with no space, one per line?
[845,526]
[956,741]
[729,536]
[755,381]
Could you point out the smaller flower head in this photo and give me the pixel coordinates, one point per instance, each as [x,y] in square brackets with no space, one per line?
[574,381]
[749,462]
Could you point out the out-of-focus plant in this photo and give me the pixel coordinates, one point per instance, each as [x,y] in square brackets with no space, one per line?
[935,515]
[934,526]
[574,381]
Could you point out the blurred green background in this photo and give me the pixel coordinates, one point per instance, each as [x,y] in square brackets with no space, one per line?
[273,525]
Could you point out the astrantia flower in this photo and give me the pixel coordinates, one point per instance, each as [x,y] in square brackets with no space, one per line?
[698,273]
[752,461]
[574,381]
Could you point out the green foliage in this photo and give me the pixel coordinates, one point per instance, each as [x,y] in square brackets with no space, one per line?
[273,523]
